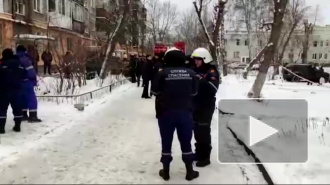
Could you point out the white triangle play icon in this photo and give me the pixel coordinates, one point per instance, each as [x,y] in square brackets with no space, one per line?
[259,131]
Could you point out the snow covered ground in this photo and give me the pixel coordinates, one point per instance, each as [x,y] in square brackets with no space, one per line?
[50,85]
[115,140]
[317,168]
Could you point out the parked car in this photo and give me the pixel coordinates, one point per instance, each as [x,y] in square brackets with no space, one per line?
[306,71]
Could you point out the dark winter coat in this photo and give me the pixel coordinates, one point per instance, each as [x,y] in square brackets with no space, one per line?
[139,66]
[12,74]
[175,85]
[209,79]
[47,57]
[27,65]
[147,71]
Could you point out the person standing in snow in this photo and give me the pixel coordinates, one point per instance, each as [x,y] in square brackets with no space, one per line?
[209,80]
[175,85]
[147,76]
[11,76]
[138,70]
[47,58]
[29,100]
[159,65]
[132,68]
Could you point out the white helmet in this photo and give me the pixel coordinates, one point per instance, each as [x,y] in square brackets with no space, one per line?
[203,54]
[172,49]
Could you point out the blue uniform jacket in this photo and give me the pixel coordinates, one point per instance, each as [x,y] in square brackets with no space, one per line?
[27,65]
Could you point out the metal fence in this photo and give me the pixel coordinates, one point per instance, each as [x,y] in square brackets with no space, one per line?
[84,97]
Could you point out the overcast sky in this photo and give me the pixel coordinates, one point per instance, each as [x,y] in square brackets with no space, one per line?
[324,7]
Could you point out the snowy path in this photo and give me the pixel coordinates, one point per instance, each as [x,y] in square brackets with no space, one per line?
[119,143]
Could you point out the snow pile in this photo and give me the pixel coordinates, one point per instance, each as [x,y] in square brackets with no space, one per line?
[318,127]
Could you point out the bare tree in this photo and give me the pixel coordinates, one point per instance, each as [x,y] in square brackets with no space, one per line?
[279,11]
[162,17]
[189,31]
[294,16]
[112,37]
[309,28]
[213,39]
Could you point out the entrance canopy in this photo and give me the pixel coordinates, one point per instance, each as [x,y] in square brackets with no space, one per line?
[30,37]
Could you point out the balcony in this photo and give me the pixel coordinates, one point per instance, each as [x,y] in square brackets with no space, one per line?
[78,27]
[102,13]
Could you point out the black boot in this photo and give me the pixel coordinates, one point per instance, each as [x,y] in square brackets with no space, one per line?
[34,118]
[17,127]
[203,163]
[165,172]
[25,116]
[191,174]
[2,126]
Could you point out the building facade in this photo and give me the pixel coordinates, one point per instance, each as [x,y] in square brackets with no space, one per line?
[70,22]
[237,46]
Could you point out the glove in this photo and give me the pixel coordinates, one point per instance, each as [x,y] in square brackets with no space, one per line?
[199,76]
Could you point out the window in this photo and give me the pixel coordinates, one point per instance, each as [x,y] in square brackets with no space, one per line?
[246,42]
[320,56]
[315,43]
[314,56]
[236,54]
[321,43]
[238,42]
[93,3]
[327,43]
[20,8]
[37,6]
[51,5]
[61,7]
[78,13]
[69,44]
[260,43]
[326,56]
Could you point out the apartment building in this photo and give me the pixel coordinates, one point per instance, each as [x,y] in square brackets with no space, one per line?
[70,22]
[236,45]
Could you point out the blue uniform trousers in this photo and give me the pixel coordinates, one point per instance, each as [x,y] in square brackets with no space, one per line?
[12,97]
[29,99]
[182,121]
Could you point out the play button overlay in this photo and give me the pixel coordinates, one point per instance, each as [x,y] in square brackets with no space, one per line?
[274,131]
[259,131]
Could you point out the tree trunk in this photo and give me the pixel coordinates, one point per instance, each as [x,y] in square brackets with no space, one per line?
[308,31]
[254,61]
[112,40]
[280,7]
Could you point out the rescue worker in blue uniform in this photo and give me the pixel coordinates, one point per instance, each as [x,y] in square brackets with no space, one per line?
[159,65]
[29,99]
[209,79]
[11,76]
[175,86]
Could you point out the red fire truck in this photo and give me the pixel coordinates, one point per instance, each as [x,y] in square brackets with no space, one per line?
[162,48]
